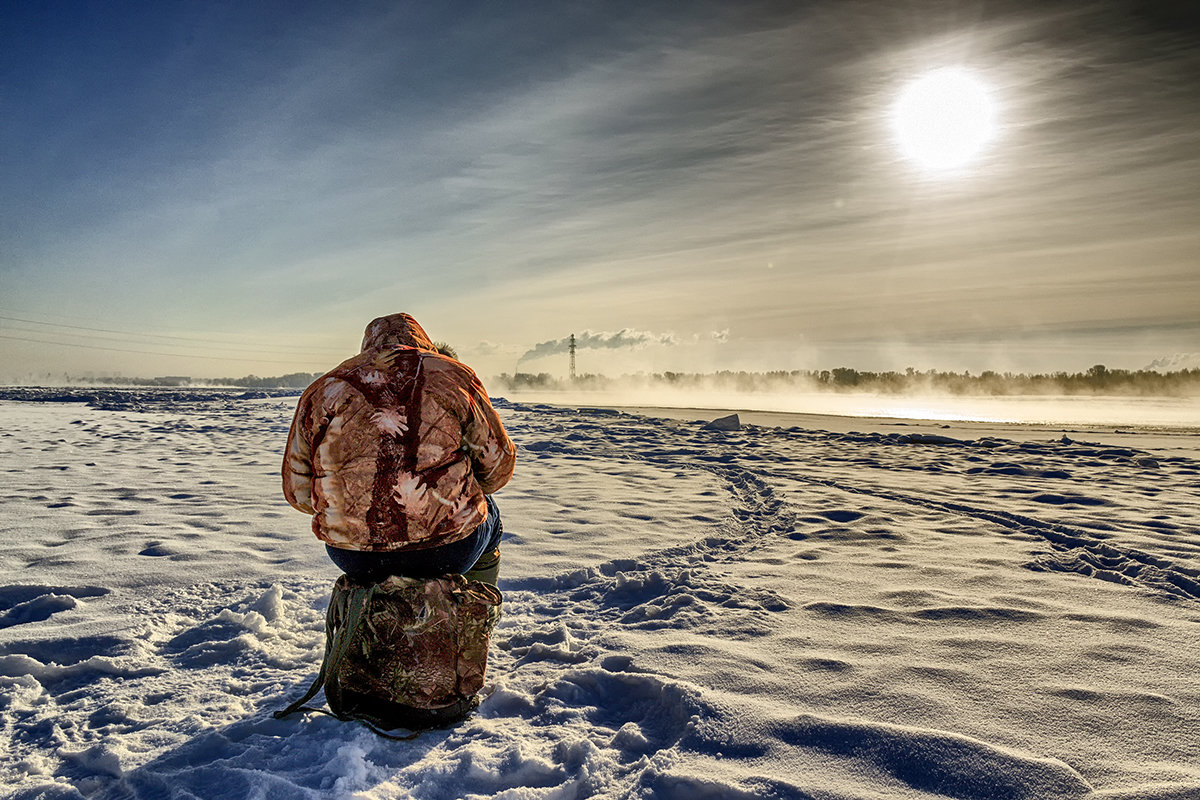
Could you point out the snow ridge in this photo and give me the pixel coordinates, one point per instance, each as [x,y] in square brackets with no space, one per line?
[767,612]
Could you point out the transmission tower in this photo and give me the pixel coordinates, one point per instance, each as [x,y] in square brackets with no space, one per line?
[572,351]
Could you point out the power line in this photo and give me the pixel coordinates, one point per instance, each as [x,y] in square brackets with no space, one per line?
[209,348]
[141,352]
[266,351]
[134,333]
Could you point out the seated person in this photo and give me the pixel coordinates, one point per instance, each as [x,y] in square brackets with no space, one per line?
[395,453]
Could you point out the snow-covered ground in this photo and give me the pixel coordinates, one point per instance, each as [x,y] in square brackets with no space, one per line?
[893,611]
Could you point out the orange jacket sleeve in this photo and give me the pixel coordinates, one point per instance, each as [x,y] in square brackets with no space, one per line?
[297,459]
[492,453]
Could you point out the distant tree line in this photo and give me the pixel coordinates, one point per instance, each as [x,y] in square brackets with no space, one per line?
[166,380]
[1097,380]
[544,380]
[293,380]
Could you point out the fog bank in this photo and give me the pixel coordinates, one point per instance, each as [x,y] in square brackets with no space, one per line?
[1090,410]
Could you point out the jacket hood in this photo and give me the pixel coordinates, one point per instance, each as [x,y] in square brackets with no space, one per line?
[396,330]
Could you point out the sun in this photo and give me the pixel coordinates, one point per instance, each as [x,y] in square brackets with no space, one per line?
[944,119]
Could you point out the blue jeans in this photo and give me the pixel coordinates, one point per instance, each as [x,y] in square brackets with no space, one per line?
[456,557]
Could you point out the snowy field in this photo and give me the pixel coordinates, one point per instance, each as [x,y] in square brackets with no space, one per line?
[884,611]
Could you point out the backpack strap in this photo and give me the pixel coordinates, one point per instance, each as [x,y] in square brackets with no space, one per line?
[345,614]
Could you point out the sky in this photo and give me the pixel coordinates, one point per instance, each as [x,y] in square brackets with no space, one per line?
[226,188]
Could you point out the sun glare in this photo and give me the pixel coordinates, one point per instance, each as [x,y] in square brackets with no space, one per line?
[944,119]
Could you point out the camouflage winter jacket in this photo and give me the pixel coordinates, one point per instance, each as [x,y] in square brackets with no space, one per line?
[395,448]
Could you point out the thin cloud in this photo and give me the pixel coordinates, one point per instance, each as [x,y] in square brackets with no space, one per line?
[645,167]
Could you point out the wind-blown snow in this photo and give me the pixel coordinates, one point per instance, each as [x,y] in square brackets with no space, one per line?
[905,612]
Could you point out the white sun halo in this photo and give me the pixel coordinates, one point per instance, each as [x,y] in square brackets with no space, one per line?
[944,118]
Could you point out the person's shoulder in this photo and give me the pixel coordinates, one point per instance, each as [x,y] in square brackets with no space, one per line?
[450,374]
[436,362]
[334,382]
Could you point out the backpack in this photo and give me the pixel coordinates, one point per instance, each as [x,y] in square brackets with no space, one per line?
[404,652]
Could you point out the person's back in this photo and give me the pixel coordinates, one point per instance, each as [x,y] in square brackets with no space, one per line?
[395,451]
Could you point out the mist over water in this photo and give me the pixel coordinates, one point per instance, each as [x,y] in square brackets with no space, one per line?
[1122,411]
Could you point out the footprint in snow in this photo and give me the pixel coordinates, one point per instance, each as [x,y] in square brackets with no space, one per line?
[842,515]
[24,604]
